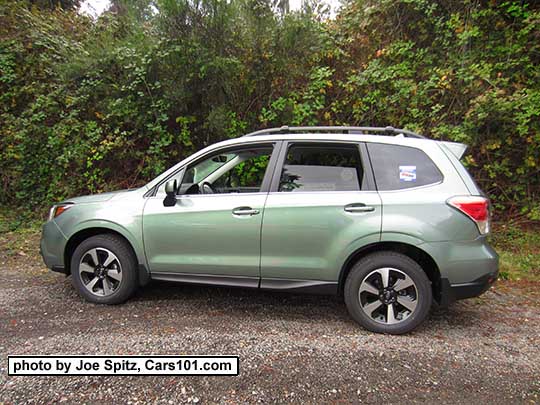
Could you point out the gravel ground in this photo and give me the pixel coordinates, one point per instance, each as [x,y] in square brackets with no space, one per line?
[292,348]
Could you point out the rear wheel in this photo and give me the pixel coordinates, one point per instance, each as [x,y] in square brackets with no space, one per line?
[104,269]
[388,292]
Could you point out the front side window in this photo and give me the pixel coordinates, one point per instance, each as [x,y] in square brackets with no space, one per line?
[399,167]
[321,167]
[236,171]
[204,169]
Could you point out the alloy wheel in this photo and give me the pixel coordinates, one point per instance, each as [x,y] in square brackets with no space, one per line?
[388,295]
[100,271]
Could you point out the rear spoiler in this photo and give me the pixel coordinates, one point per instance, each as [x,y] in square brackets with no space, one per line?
[457,149]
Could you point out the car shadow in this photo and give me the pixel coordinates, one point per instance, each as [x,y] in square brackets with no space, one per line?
[244,304]
[280,304]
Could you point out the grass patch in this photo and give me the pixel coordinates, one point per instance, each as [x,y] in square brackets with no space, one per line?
[19,233]
[519,251]
[19,220]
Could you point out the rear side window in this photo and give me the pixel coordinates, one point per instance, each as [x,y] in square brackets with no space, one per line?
[399,167]
[321,167]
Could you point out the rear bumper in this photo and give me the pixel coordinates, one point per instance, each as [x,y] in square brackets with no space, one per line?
[453,292]
[467,268]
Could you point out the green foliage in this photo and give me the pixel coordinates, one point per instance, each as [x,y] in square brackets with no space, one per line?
[249,173]
[519,252]
[459,71]
[54,4]
[88,106]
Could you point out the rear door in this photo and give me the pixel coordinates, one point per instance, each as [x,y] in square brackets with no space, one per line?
[322,204]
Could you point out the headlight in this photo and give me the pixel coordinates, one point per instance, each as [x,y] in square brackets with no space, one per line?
[58,209]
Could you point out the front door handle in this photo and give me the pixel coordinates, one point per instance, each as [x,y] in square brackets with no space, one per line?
[358,207]
[245,211]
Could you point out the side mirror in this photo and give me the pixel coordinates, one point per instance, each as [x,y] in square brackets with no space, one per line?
[170,190]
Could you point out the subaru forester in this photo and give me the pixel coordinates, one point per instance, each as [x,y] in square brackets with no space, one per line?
[384,217]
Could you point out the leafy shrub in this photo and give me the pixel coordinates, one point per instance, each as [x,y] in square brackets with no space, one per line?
[88,106]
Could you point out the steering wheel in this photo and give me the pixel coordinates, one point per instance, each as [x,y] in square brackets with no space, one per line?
[206,188]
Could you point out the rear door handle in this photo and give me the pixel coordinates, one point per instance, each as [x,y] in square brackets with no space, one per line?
[358,207]
[245,211]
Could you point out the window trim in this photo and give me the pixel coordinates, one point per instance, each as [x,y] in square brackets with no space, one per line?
[367,179]
[397,190]
[265,185]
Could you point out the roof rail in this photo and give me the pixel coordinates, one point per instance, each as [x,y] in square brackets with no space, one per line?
[345,130]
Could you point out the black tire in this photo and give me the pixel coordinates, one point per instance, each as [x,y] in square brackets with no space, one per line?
[128,265]
[365,269]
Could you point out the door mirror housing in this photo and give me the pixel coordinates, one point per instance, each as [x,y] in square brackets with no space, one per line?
[171,188]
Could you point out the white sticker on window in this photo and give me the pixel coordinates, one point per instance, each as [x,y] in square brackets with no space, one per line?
[407,173]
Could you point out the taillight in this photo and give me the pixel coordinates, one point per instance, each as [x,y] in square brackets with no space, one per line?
[476,208]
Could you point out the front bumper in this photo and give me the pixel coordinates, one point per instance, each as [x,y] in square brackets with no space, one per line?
[52,246]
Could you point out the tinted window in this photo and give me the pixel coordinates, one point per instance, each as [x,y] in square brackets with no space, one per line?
[321,168]
[400,167]
[237,171]
[202,170]
[245,176]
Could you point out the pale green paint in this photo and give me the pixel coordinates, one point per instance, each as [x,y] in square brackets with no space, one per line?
[295,235]
[200,235]
[306,235]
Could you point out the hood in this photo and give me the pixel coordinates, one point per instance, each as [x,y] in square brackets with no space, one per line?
[94,198]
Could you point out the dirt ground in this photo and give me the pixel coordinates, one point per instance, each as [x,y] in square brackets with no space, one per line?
[292,348]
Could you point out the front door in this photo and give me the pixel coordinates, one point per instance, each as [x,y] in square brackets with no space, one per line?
[213,232]
[321,207]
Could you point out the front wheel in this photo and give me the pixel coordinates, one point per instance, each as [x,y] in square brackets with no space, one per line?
[388,292]
[104,269]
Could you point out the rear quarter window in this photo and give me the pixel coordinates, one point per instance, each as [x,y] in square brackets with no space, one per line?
[398,167]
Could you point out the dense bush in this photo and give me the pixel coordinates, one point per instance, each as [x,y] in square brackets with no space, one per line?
[87,106]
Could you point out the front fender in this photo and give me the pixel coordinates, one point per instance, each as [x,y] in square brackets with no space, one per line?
[135,242]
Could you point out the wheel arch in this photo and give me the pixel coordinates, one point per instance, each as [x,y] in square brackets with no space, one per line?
[85,233]
[417,254]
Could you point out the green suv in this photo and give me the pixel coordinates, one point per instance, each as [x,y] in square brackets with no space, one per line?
[386,218]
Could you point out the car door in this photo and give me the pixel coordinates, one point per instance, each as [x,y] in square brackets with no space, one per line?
[322,206]
[212,233]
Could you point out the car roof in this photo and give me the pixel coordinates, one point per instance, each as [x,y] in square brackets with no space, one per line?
[395,139]
[404,139]
[331,133]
